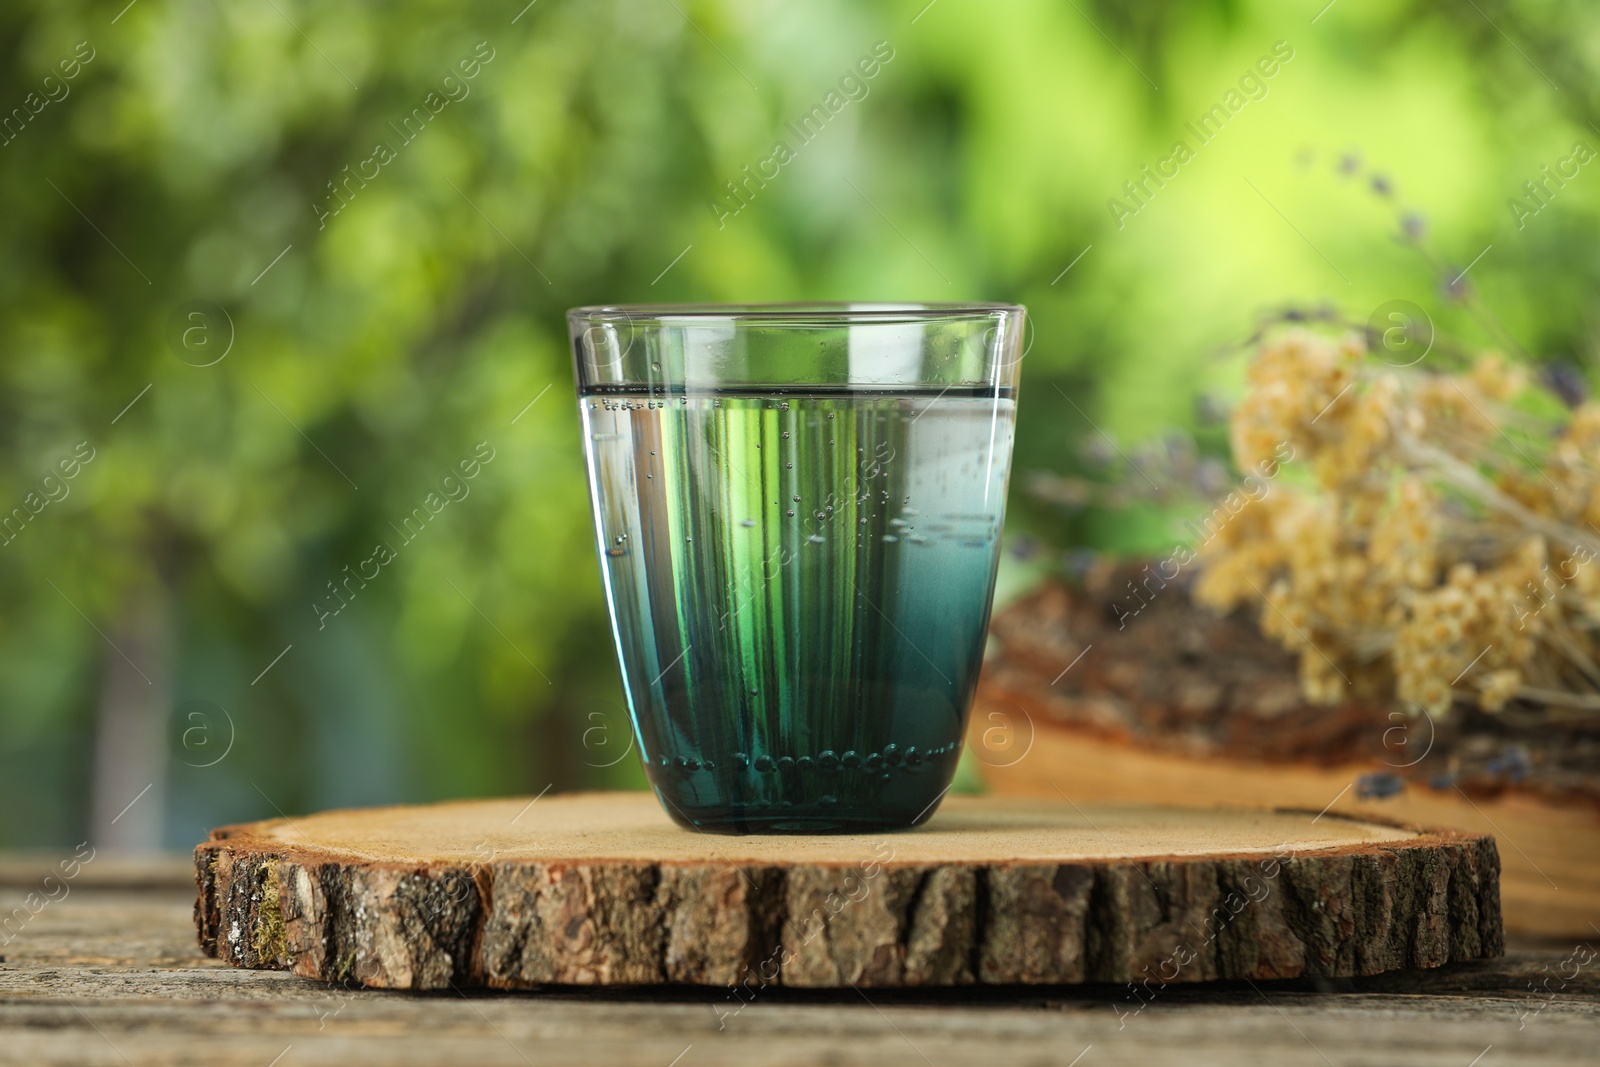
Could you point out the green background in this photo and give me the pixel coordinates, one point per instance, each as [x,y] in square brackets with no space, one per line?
[581,166]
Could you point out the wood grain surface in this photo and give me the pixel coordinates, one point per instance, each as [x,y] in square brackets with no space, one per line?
[110,975]
[601,889]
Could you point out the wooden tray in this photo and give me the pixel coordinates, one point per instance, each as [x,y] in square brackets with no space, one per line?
[601,889]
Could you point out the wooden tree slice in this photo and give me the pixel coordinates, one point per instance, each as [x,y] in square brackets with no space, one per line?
[601,889]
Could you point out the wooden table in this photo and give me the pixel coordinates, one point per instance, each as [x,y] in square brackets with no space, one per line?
[111,974]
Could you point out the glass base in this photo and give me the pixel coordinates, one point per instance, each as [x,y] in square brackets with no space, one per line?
[871,803]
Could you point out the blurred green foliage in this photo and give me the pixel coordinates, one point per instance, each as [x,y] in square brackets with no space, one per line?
[372,350]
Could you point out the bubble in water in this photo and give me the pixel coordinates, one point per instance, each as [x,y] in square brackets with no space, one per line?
[764,763]
[815,539]
[791,513]
[741,761]
[785,762]
[851,759]
[747,522]
[804,763]
[785,435]
[827,760]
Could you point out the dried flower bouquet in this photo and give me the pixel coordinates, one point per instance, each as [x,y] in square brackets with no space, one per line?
[1432,540]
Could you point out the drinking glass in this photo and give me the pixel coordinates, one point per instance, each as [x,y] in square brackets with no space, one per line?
[799,510]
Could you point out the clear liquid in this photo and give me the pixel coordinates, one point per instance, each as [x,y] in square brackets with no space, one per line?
[799,588]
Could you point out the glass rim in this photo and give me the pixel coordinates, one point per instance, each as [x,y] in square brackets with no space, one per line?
[808,312]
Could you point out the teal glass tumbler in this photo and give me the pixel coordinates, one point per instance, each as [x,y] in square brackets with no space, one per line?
[799,511]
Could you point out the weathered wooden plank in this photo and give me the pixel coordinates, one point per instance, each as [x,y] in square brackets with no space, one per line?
[114,977]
